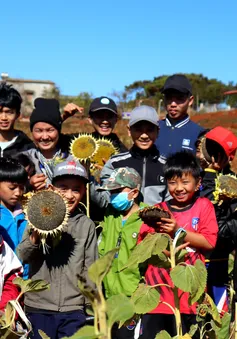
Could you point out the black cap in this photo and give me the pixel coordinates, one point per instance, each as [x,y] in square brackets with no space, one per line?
[103,103]
[46,110]
[178,82]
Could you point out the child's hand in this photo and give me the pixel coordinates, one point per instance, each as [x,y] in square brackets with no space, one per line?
[38,181]
[70,109]
[168,225]
[218,165]
[34,237]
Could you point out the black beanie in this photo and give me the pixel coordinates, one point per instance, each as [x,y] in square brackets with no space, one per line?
[46,110]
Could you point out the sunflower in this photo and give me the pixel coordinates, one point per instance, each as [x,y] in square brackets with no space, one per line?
[47,213]
[105,150]
[83,147]
[226,188]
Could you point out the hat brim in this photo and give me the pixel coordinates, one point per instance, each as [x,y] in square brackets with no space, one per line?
[110,187]
[105,109]
[176,88]
[144,119]
[71,174]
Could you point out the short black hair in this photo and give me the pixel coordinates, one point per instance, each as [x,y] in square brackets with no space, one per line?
[12,171]
[180,163]
[25,161]
[10,97]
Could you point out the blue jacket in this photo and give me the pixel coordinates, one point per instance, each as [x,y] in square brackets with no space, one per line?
[12,227]
[174,138]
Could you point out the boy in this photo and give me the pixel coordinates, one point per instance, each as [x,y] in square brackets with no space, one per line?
[215,152]
[177,131]
[59,312]
[103,115]
[10,268]
[11,141]
[13,178]
[143,156]
[197,216]
[121,227]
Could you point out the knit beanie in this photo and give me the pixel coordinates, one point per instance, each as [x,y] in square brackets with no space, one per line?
[46,110]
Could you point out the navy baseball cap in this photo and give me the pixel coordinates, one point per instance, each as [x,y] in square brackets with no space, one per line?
[178,82]
[103,103]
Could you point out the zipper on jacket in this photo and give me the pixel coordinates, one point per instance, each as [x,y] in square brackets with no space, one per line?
[118,244]
[143,175]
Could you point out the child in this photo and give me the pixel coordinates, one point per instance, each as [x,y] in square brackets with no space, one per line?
[177,128]
[13,178]
[143,156]
[10,268]
[59,312]
[120,229]
[197,216]
[215,152]
[11,140]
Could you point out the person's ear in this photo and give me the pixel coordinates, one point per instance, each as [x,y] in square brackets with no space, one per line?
[133,194]
[191,100]
[198,184]
[129,131]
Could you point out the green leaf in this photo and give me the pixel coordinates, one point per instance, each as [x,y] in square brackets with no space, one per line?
[200,283]
[183,276]
[193,330]
[9,316]
[163,335]
[152,244]
[31,286]
[145,299]
[180,256]
[161,244]
[190,278]
[212,309]
[43,334]
[86,290]
[86,332]
[98,270]
[119,308]
[222,332]
[160,260]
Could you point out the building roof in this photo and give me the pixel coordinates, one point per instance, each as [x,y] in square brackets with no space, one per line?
[28,81]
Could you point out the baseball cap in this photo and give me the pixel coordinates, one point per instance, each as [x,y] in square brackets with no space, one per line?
[103,103]
[144,112]
[70,167]
[225,138]
[179,82]
[122,177]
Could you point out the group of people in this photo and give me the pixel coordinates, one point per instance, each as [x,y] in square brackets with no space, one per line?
[164,167]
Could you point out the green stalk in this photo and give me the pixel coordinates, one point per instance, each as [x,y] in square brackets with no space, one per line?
[175,290]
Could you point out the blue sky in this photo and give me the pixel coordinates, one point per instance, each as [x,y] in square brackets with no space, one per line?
[101,46]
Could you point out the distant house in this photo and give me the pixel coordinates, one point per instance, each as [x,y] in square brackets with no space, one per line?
[29,90]
[126,115]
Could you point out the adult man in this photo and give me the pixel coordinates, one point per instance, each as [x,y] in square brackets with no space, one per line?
[177,131]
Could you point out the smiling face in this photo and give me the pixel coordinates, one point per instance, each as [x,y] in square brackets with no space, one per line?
[72,188]
[45,136]
[8,117]
[10,193]
[177,104]
[182,189]
[103,121]
[143,134]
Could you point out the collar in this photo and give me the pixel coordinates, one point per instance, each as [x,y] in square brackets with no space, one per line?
[179,124]
[151,152]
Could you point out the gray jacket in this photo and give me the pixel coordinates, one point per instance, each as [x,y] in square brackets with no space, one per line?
[76,251]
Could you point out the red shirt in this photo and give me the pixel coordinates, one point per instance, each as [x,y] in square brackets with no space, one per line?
[199,218]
